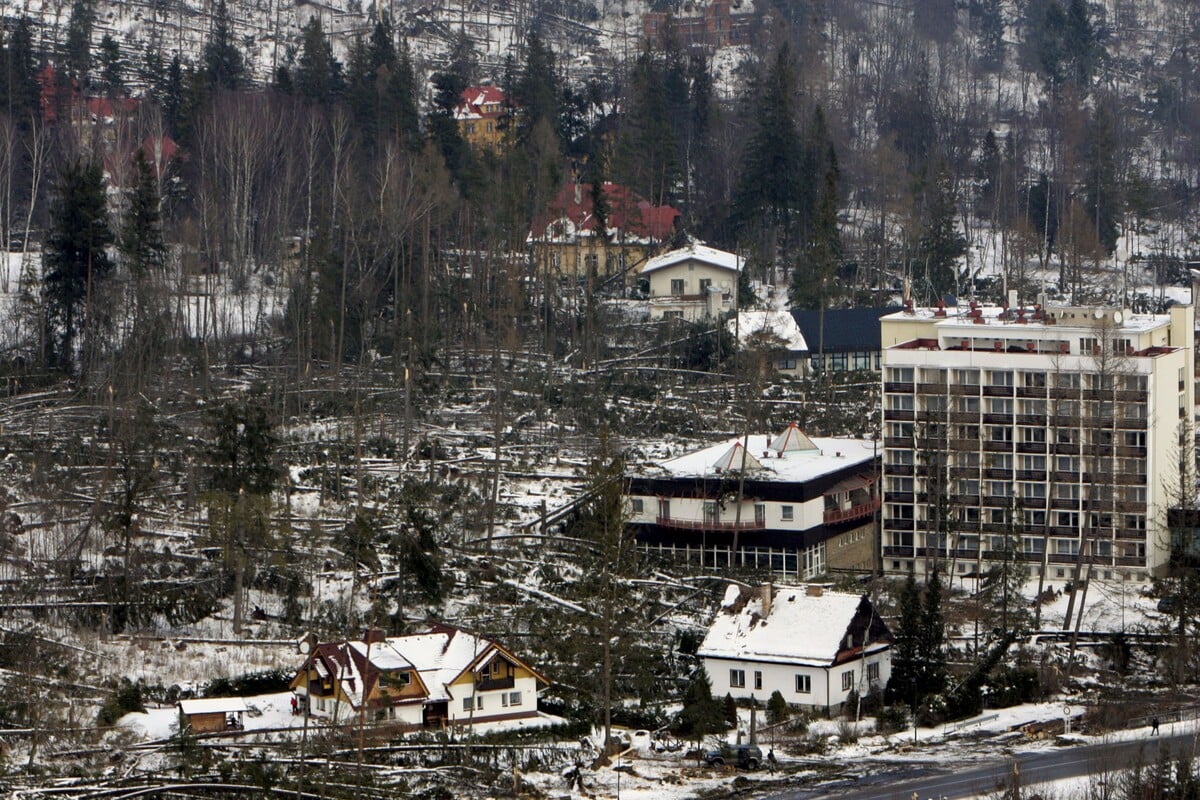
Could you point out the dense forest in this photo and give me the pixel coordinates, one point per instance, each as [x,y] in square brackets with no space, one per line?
[963,146]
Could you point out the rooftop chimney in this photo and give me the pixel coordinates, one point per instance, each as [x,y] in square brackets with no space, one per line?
[764,593]
[373,635]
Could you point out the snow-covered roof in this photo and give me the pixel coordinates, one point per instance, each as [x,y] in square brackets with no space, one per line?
[1029,319]
[695,252]
[778,324]
[736,459]
[439,656]
[213,705]
[791,465]
[799,628]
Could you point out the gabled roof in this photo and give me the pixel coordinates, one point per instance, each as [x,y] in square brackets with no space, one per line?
[473,102]
[696,252]
[630,218]
[799,627]
[213,705]
[846,330]
[437,657]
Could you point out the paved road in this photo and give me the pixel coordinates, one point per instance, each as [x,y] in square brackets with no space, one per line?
[970,781]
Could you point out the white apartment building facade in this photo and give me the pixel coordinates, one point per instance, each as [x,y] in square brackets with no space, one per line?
[1050,433]
[799,507]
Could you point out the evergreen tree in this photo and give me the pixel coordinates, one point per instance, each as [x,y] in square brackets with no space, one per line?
[448,90]
[75,258]
[141,244]
[537,91]
[770,188]
[935,19]
[931,653]
[816,272]
[701,714]
[224,67]
[172,94]
[112,68]
[648,143]
[1101,193]
[1079,44]
[906,645]
[941,245]
[989,34]
[987,174]
[318,73]
[77,45]
[19,92]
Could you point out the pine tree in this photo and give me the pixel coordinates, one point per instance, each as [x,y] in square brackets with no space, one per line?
[987,174]
[537,91]
[448,90]
[1079,44]
[112,68]
[941,245]
[224,67]
[75,258]
[902,686]
[770,188]
[931,653]
[77,46]
[19,93]
[701,715]
[935,20]
[318,73]
[141,241]
[989,34]
[172,94]
[816,273]
[1101,193]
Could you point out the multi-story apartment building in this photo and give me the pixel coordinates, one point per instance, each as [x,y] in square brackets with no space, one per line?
[1047,435]
[796,506]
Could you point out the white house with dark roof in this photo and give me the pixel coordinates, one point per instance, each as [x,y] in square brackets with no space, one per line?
[814,646]
[806,506]
[441,677]
[777,332]
[692,283]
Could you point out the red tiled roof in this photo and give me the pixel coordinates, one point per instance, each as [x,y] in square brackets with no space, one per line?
[474,98]
[629,214]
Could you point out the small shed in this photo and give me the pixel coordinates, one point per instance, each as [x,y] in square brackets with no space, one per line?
[212,714]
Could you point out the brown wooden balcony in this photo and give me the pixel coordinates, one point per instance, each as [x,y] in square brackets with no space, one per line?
[489,683]
[857,511]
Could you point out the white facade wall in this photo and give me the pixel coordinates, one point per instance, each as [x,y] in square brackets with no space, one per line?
[805,515]
[493,702]
[825,682]
[692,301]
[1168,380]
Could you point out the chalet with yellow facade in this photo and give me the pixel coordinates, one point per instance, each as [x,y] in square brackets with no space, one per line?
[480,115]
[439,678]
[571,241]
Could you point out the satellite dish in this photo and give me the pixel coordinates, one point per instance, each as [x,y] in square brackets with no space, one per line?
[724,284]
[1118,317]
[1098,314]
[305,646]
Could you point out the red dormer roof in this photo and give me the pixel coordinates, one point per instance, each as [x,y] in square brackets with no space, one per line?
[104,108]
[480,102]
[630,217]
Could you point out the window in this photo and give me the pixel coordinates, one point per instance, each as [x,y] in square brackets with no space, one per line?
[787,513]
[677,286]
[1035,435]
[1032,545]
[737,679]
[847,680]
[711,512]
[672,315]
[873,672]
[1067,519]
[760,513]
[664,509]
[705,284]
[1122,346]
[320,704]
[900,402]
[1066,547]
[497,665]
[468,704]
[1033,379]
[1033,491]
[510,699]
[757,680]
[803,684]
[1000,405]
[1000,433]
[968,405]
[999,489]
[967,377]
[900,374]
[637,506]
[1089,346]
[1033,463]
[1000,377]
[1066,464]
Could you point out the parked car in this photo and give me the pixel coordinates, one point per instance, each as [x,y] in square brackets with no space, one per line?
[743,756]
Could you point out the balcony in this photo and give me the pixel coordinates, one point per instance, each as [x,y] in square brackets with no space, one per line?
[489,683]
[711,525]
[1031,391]
[1031,447]
[997,391]
[858,511]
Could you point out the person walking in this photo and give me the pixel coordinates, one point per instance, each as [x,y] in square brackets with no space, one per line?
[1154,727]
